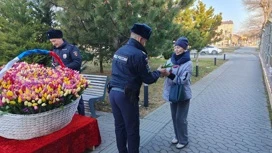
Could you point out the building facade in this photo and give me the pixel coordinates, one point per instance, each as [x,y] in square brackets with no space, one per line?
[226,30]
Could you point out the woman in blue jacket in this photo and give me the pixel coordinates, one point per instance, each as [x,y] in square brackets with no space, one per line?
[180,72]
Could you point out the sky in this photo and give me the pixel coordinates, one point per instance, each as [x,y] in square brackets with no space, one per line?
[231,10]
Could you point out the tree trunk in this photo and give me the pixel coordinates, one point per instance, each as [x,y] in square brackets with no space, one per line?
[197,67]
[197,57]
[101,63]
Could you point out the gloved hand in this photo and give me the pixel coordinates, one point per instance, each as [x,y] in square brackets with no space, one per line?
[109,87]
[55,64]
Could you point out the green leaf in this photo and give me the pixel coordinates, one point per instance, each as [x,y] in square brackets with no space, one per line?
[3,113]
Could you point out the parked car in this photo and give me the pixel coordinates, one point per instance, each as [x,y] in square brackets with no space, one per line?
[210,50]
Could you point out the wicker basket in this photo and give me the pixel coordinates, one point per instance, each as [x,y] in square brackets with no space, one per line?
[23,127]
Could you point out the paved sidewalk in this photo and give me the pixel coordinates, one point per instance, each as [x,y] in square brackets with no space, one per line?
[228,114]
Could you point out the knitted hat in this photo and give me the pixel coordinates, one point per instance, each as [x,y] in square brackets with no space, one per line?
[182,42]
[51,34]
[142,30]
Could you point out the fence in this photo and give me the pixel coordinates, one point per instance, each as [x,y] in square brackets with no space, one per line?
[266,45]
[266,57]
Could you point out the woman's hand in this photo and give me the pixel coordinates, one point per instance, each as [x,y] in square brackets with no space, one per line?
[163,71]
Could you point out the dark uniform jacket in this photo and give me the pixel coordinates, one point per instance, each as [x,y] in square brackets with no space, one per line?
[130,67]
[69,55]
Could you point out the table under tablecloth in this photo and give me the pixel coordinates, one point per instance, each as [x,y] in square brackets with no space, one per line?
[76,137]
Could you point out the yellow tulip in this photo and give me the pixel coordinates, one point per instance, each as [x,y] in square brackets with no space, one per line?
[19,99]
[20,92]
[9,93]
[48,97]
[37,90]
[27,91]
[12,102]
[45,95]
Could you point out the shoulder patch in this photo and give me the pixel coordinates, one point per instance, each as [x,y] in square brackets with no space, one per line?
[146,60]
[75,53]
[148,68]
[120,58]
[64,56]
[147,65]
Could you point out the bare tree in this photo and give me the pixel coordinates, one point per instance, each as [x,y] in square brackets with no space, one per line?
[254,22]
[261,8]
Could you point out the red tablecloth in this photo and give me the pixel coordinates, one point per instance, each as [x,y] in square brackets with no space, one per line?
[80,134]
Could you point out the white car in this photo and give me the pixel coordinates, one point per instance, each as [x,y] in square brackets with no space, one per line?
[210,50]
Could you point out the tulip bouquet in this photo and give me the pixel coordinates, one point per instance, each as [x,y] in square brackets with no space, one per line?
[32,88]
[167,65]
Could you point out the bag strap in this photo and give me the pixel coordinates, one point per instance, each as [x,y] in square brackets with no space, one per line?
[178,71]
[178,75]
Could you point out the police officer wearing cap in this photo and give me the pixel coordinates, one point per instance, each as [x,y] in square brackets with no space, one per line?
[69,55]
[129,70]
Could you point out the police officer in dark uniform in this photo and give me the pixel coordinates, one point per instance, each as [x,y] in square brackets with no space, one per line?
[69,55]
[129,70]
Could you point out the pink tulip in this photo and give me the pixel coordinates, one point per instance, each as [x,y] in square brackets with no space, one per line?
[35,107]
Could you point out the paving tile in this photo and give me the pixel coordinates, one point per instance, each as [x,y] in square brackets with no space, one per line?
[228,113]
[151,126]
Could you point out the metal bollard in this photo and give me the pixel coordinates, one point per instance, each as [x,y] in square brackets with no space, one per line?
[145,95]
[215,61]
[196,71]
[224,56]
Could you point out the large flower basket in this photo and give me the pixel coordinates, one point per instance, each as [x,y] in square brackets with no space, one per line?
[36,100]
[23,127]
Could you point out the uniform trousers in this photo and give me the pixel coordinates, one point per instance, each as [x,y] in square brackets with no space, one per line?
[179,112]
[127,122]
[80,107]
